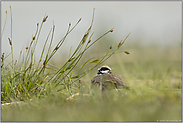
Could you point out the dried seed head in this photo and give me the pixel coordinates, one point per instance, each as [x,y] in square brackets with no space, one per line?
[69,24]
[20,53]
[37,24]
[127,52]
[89,41]
[84,38]
[79,20]
[120,43]
[26,48]
[53,25]
[71,59]
[15,62]
[111,30]
[6,12]
[110,47]
[56,48]
[10,41]
[33,38]
[83,41]
[44,63]
[3,54]
[2,57]
[44,19]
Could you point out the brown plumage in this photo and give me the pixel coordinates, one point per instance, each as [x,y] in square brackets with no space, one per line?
[108,79]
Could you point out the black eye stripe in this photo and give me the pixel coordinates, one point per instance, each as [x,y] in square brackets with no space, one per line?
[104,69]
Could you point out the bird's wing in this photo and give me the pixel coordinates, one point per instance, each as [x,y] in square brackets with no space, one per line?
[109,81]
[96,80]
[118,80]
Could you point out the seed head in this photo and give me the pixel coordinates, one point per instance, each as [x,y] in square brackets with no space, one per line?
[26,48]
[10,41]
[120,43]
[53,25]
[20,53]
[89,41]
[79,20]
[2,57]
[127,52]
[44,19]
[71,59]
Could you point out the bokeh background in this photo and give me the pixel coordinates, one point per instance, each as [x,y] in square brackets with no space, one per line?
[151,23]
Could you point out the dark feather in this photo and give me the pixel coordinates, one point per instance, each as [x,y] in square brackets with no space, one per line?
[109,81]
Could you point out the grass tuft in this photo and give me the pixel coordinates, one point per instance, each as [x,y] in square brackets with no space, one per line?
[26,78]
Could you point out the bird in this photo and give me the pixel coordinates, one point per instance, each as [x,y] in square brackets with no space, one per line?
[106,80]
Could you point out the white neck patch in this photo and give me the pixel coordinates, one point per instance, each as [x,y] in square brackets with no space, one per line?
[105,71]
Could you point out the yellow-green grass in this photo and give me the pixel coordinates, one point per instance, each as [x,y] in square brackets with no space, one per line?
[155,95]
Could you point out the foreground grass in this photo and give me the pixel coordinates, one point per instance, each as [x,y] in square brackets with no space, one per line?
[156,94]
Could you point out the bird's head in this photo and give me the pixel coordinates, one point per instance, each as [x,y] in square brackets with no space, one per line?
[104,69]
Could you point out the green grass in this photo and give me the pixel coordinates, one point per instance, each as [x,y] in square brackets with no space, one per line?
[156,95]
[51,93]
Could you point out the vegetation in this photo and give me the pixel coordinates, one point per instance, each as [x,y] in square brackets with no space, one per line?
[39,91]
